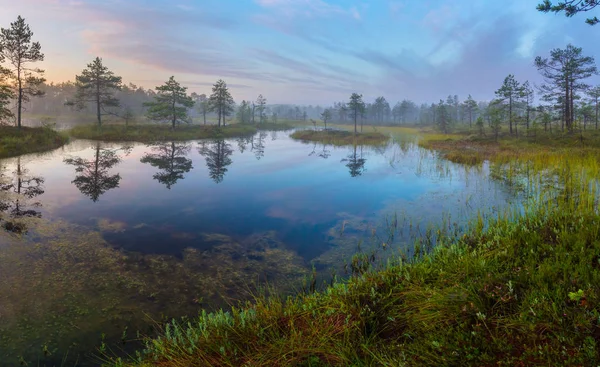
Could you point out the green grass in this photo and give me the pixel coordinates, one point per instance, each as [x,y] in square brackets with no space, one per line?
[15,142]
[340,137]
[471,148]
[152,133]
[518,290]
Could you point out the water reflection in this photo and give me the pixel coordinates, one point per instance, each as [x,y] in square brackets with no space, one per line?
[355,162]
[258,145]
[168,253]
[170,159]
[321,153]
[93,178]
[217,155]
[16,198]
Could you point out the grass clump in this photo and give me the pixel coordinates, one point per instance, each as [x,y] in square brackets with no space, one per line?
[15,141]
[152,133]
[340,137]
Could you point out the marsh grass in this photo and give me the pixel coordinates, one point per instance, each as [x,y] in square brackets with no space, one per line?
[340,137]
[15,142]
[152,133]
[518,289]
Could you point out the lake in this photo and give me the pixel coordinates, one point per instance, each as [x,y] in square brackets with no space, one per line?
[102,240]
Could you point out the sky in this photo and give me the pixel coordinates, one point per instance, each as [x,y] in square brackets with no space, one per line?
[304,51]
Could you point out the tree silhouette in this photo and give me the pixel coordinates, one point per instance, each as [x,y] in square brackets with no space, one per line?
[217,158]
[170,159]
[16,201]
[355,163]
[93,178]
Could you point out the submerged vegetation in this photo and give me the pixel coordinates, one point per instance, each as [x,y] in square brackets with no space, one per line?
[340,137]
[15,141]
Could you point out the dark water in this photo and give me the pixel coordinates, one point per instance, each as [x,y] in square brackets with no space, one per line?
[163,230]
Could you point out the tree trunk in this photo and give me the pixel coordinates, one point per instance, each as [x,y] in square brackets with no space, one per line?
[98,114]
[566,104]
[510,114]
[596,113]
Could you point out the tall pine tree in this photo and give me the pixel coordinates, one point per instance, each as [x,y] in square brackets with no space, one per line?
[97,85]
[171,104]
[221,101]
[17,48]
[564,73]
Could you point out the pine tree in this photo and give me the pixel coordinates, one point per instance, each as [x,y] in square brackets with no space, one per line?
[6,94]
[202,103]
[326,116]
[444,118]
[261,105]
[470,107]
[97,85]
[171,104]
[17,48]
[221,101]
[564,73]
[356,107]
[509,94]
[527,95]
[594,94]
[570,8]
[244,112]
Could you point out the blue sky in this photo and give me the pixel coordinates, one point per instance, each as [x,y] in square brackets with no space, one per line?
[304,51]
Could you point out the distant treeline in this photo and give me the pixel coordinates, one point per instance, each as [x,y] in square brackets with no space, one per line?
[564,101]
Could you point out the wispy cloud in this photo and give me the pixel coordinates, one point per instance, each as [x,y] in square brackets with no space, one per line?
[308,8]
[305,50]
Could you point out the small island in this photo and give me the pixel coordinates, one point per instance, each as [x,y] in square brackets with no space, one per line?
[340,137]
[16,141]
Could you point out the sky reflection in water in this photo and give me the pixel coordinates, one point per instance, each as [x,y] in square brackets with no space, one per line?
[164,198]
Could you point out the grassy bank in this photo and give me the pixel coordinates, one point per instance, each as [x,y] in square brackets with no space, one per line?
[15,142]
[519,290]
[471,148]
[521,293]
[152,133]
[340,137]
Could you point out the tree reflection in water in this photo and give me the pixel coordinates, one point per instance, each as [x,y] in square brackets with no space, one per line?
[170,159]
[93,178]
[16,197]
[218,157]
[355,162]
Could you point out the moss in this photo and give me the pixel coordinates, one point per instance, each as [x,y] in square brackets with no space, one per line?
[15,141]
[340,137]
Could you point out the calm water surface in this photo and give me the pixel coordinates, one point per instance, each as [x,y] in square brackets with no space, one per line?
[166,229]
